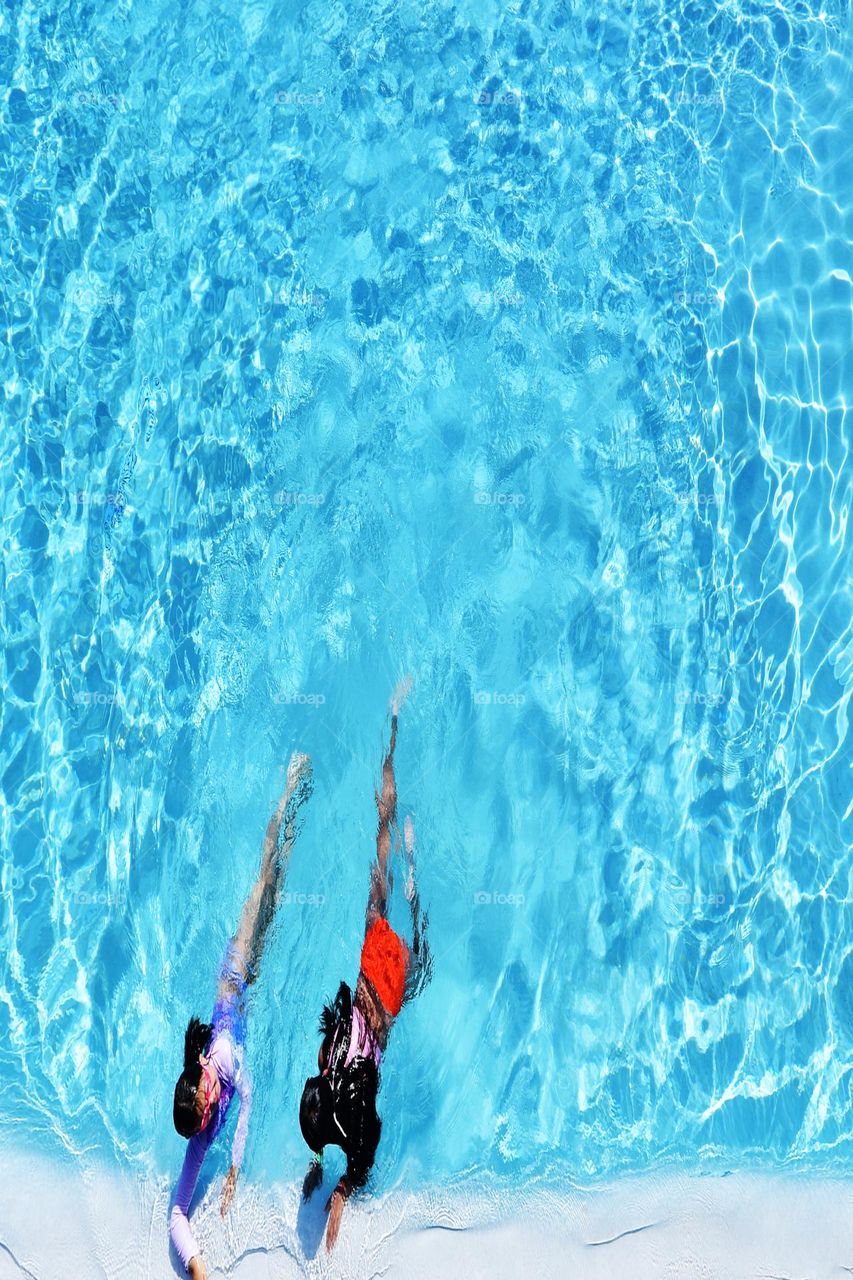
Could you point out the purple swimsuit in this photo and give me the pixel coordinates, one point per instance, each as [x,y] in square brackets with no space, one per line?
[362,1042]
[226,1058]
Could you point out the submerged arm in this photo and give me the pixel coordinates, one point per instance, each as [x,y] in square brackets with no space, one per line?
[243,1086]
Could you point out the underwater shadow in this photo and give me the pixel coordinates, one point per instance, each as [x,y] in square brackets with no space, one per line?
[311,1221]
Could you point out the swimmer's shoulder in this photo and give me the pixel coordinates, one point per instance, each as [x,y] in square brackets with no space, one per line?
[223,1055]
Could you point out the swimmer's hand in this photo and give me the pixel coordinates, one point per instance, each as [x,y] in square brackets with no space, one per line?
[197,1269]
[228,1189]
[313,1178]
[334,1209]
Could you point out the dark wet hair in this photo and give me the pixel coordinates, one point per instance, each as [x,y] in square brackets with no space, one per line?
[315,1113]
[340,1107]
[196,1040]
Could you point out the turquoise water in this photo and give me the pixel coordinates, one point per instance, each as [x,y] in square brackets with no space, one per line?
[508,348]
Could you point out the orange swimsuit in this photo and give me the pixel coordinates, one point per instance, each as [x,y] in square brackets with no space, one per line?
[384,960]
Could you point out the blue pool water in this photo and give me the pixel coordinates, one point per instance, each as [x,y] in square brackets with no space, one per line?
[509,347]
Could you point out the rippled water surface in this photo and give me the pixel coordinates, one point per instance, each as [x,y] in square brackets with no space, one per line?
[506,346]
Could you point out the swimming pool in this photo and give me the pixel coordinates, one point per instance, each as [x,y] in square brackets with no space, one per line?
[506,347]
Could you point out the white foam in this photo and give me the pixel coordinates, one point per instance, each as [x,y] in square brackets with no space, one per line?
[672,1227]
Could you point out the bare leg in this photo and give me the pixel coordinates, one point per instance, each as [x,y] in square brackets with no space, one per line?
[260,905]
[386,805]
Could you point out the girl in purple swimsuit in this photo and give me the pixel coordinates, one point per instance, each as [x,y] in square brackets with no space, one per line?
[214,1067]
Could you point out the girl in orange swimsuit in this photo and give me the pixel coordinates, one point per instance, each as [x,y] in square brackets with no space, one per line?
[339,1105]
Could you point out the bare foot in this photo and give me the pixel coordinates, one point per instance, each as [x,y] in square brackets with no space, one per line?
[400,694]
[300,764]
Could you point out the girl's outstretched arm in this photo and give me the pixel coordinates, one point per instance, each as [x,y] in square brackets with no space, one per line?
[179,1225]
